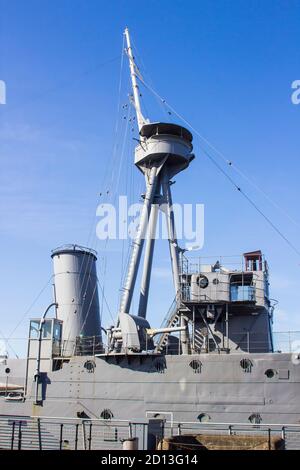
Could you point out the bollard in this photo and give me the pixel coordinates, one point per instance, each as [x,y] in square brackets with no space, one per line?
[132,443]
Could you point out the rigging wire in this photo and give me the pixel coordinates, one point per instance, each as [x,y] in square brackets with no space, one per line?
[144,72]
[279,232]
[31,305]
[37,97]
[105,194]
[111,194]
[6,341]
[252,203]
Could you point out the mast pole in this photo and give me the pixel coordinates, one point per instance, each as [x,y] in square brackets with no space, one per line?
[139,242]
[135,87]
[173,244]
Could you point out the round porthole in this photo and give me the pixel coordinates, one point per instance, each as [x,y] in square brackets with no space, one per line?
[215,281]
[270,373]
[196,366]
[203,418]
[255,418]
[202,281]
[7,370]
[246,364]
[106,414]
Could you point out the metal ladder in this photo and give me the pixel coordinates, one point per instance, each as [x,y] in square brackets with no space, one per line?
[163,340]
[199,340]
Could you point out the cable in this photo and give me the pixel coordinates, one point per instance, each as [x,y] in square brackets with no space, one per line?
[228,162]
[106,177]
[253,203]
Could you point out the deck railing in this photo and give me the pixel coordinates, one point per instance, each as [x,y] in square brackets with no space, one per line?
[44,433]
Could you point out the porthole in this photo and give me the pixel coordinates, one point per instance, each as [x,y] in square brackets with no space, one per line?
[215,281]
[270,373]
[202,281]
[82,414]
[106,414]
[246,364]
[255,418]
[90,366]
[203,418]
[7,370]
[196,366]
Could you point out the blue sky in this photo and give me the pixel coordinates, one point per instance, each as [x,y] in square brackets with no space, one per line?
[226,66]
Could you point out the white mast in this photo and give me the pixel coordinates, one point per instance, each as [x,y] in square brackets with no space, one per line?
[164,150]
[136,92]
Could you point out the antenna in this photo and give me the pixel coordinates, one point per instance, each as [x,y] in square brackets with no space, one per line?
[135,88]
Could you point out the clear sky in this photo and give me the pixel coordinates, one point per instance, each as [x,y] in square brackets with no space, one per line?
[226,66]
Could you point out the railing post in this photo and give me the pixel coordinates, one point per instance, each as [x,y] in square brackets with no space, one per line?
[61,436]
[83,435]
[90,437]
[76,435]
[12,436]
[20,436]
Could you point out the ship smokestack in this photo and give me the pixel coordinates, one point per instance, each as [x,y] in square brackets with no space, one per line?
[76,295]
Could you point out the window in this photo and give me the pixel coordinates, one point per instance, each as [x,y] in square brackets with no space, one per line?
[202,281]
[34,329]
[46,329]
[57,331]
[242,288]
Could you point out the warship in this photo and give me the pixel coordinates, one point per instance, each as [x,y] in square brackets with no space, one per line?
[212,360]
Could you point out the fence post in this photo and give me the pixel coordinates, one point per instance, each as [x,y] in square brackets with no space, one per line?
[76,435]
[269,438]
[20,436]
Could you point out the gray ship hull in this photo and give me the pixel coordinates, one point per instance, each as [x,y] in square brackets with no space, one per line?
[213,388]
